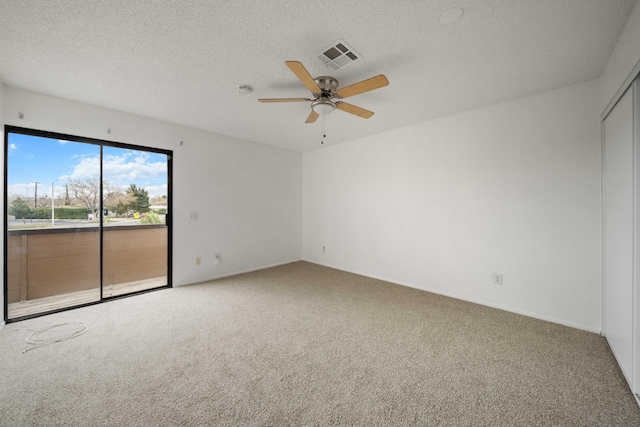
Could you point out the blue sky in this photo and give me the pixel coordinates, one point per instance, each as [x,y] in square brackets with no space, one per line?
[44,160]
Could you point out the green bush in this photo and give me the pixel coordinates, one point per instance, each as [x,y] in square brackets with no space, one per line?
[41,213]
[72,213]
[151,218]
[61,213]
[20,209]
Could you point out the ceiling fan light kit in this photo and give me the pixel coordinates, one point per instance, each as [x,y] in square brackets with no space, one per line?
[323,106]
[325,93]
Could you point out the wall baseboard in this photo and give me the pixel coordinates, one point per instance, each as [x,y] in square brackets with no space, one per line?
[235,273]
[463,298]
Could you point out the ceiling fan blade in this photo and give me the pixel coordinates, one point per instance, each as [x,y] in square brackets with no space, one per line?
[363,86]
[352,109]
[313,116]
[282,99]
[304,76]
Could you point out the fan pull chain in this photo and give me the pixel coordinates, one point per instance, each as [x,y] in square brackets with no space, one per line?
[324,135]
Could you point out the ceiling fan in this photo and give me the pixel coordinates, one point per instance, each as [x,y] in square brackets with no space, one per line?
[325,92]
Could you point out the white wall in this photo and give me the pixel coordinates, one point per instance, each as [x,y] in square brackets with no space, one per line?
[623,59]
[248,196]
[512,188]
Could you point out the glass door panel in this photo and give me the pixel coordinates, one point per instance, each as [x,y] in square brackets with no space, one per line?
[53,245]
[135,232]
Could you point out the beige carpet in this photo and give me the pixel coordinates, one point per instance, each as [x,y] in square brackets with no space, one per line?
[307,345]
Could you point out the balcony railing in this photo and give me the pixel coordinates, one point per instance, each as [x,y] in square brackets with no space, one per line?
[44,263]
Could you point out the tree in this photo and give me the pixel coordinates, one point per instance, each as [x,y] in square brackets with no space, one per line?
[87,190]
[44,201]
[120,202]
[19,209]
[141,203]
[67,201]
[158,201]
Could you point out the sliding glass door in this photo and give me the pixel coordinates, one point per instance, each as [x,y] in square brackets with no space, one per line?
[86,221]
[51,263]
[135,221]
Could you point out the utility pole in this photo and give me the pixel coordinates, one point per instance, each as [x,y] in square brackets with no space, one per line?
[35,201]
[53,204]
[67,202]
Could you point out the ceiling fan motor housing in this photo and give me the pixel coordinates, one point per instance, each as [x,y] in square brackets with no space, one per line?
[323,103]
[327,84]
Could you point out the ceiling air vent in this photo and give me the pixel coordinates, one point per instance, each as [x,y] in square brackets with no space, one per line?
[338,55]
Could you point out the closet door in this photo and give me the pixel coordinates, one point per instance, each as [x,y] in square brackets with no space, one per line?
[635,386]
[619,232]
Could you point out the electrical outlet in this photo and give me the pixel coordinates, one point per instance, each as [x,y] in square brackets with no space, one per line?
[194,216]
[497,278]
[218,259]
[198,260]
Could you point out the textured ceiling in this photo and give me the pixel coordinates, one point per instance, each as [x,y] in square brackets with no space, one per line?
[182,61]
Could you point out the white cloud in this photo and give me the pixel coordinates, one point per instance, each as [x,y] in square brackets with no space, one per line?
[87,167]
[27,190]
[131,167]
[12,147]
[156,190]
[120,168]
[19,190]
